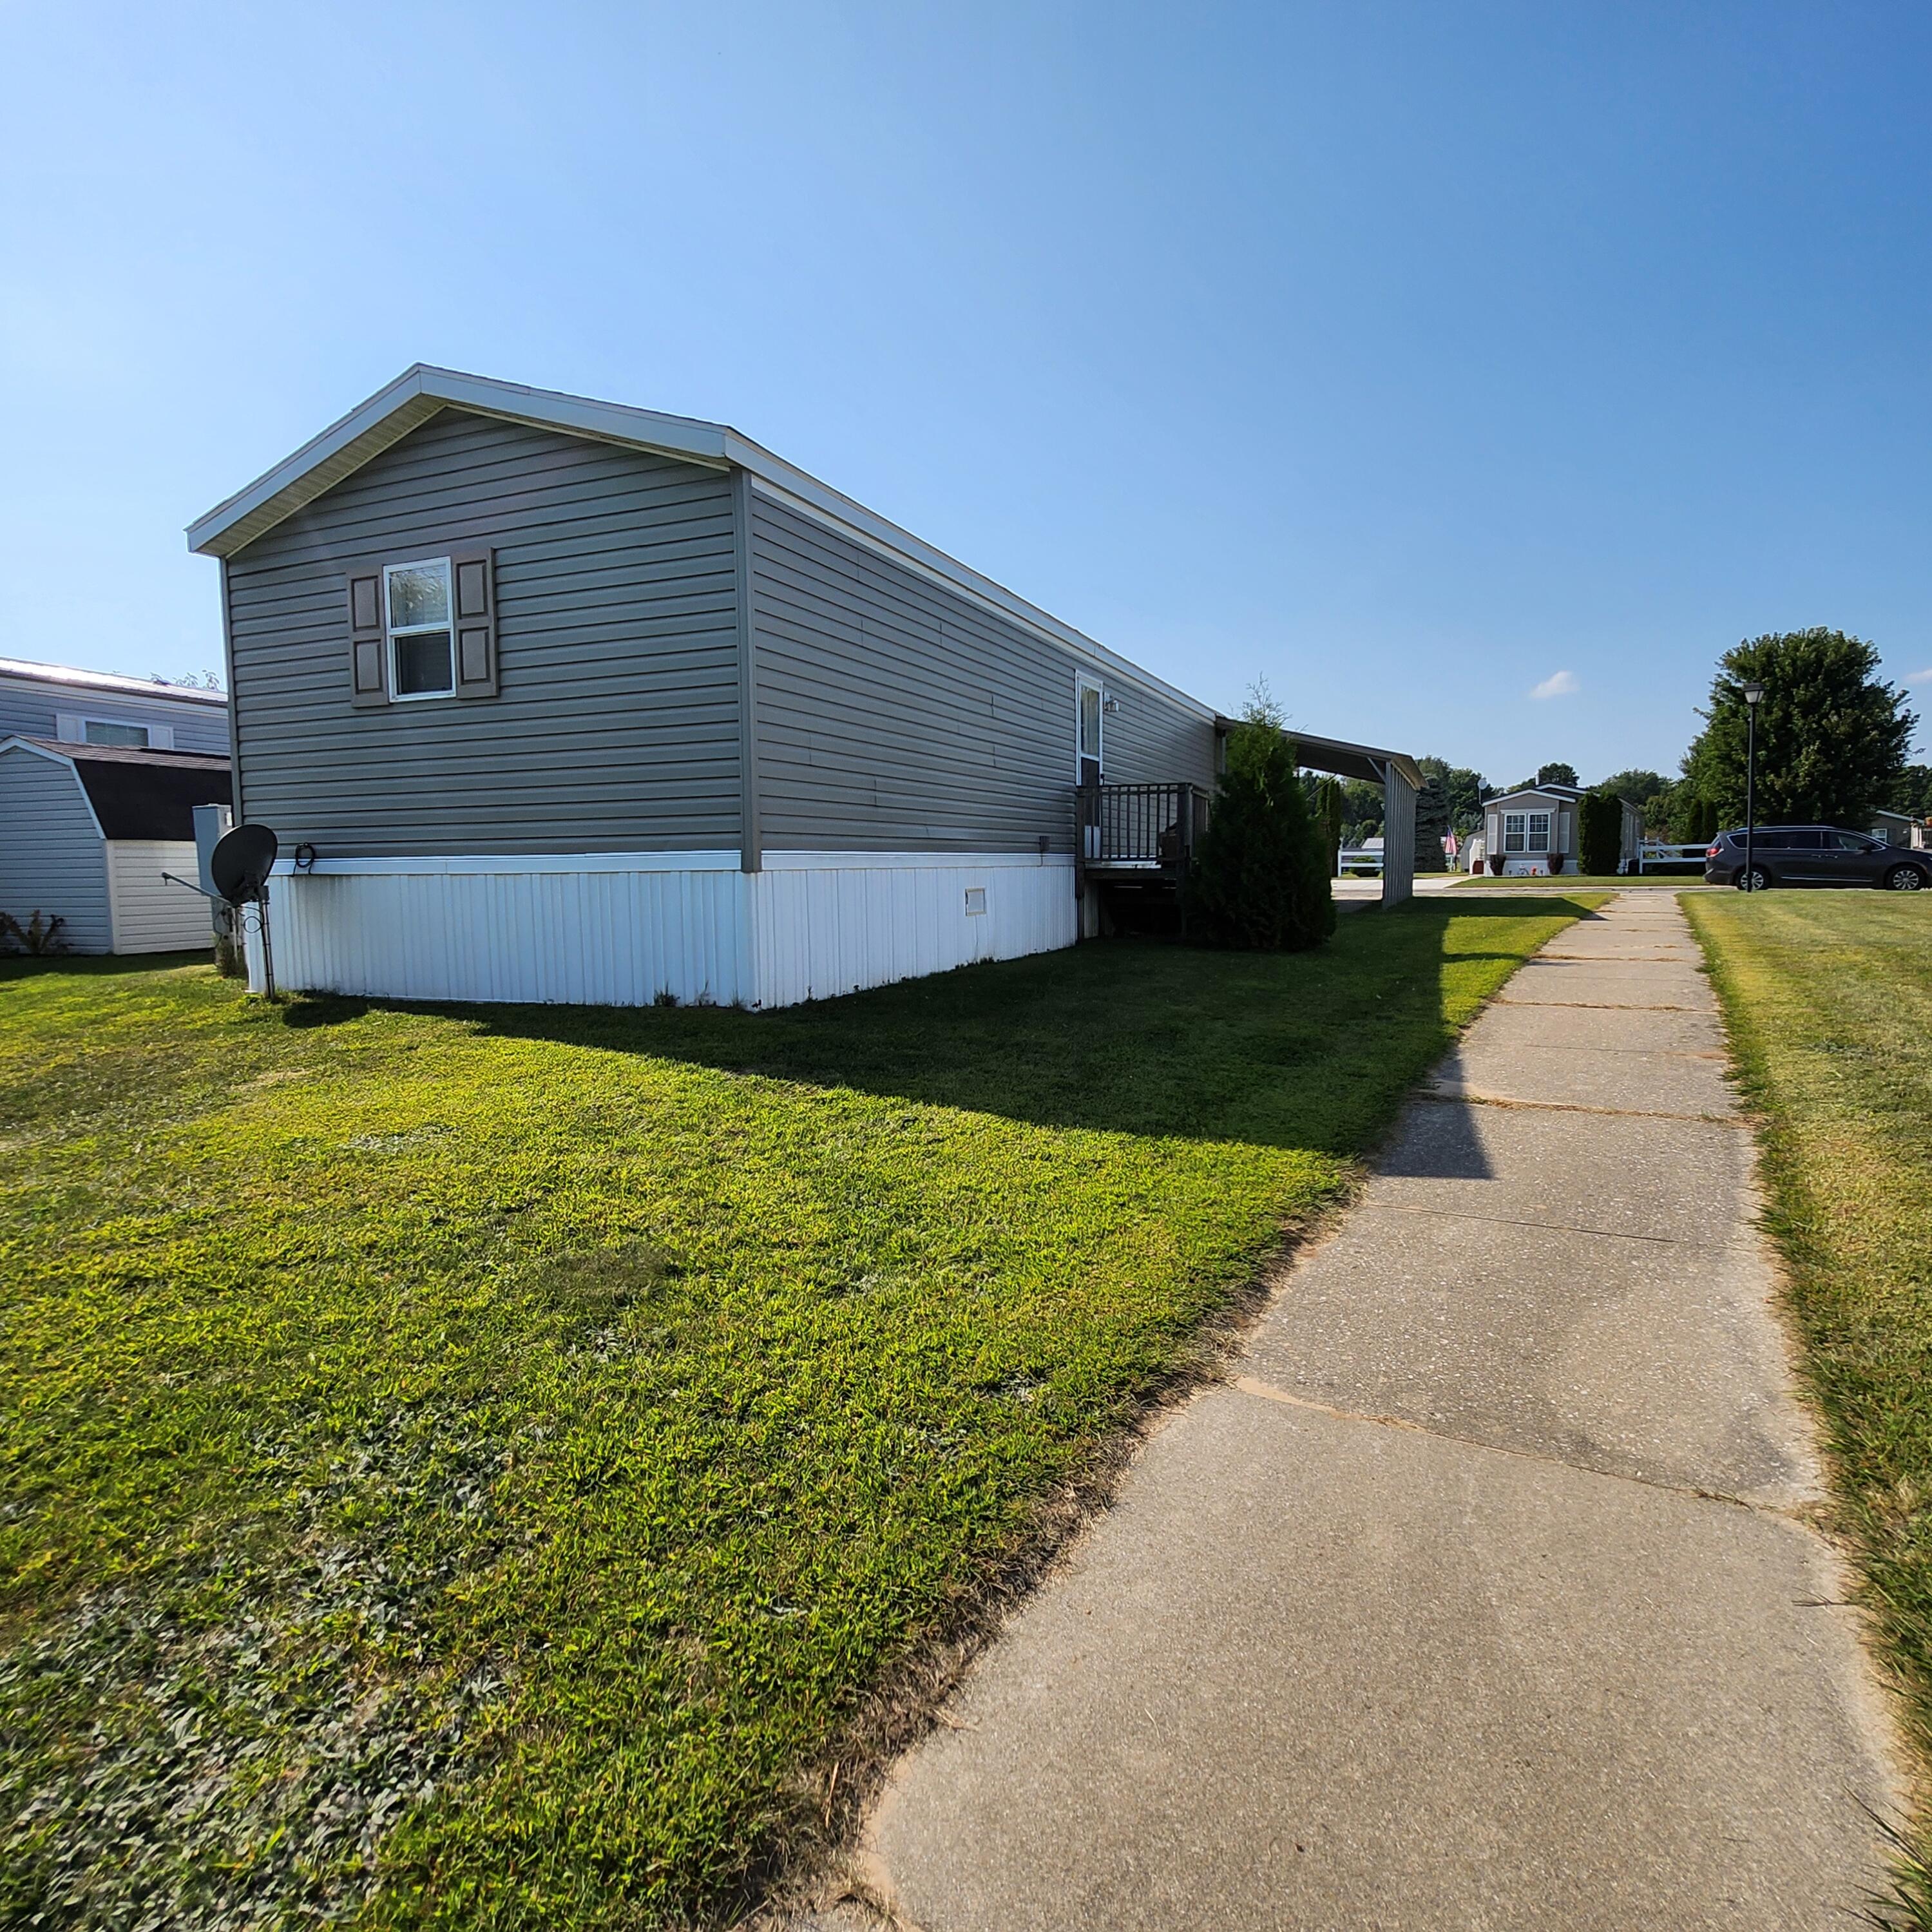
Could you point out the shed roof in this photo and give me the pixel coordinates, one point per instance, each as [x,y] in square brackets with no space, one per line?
[108,680]
[140,794]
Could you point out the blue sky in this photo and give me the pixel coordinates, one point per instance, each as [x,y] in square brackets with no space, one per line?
[1411,357]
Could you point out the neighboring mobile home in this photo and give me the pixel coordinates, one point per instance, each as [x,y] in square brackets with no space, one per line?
[96,707]
[551,699]
[1531,827]
[86,831]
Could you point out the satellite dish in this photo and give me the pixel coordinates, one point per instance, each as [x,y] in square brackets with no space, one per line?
[240,862]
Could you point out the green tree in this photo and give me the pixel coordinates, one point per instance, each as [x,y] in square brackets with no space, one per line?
[1636,785]
[1557,774]
[1365,806]
[1831,737]
[1431,822]
[1261,878]
[1330,805]
[1913,792]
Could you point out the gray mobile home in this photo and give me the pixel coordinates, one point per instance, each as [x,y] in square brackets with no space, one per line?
[97,707]
[552,699]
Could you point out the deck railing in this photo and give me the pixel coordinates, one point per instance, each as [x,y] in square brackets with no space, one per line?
[1154,825]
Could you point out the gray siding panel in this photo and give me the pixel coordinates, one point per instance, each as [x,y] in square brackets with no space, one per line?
[616,728]
[894,712]
[51,860]
[30,706]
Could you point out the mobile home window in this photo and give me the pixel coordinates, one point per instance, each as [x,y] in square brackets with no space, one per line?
[1088,734]
[1539,831]
[102,731]
[422,661]
[1513,833]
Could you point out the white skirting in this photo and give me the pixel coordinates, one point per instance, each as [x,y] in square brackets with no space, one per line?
[625,930]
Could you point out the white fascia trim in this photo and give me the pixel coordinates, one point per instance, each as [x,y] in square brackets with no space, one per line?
[908,861]
[412,398]
[519,861]
[16,743]
[476,862]
[781,481]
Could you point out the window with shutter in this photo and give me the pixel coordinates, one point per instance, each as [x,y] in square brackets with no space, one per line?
[423,629]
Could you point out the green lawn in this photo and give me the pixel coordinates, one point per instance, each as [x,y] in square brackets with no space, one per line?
[500,1466]
[1829,1000]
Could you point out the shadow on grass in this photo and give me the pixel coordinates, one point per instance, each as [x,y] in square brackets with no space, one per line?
[1309,1050]
[98,965]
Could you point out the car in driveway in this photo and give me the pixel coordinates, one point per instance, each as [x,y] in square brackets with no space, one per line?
[1816,855]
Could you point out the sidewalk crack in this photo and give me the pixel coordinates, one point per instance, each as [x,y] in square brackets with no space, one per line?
[1442,1096]
[1800,1514]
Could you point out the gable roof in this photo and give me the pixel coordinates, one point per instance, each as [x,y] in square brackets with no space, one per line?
[139,794]
[422,391]
[1570,793]
[108,681]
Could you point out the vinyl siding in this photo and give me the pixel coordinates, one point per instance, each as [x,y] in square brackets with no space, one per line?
[616,728]
[30,708]
[51,859]
[152,915]
[894,712]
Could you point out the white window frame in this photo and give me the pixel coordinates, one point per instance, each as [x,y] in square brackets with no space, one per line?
[391,632]
[1515,833]
[1547,819]
[70,728]
[1083,684]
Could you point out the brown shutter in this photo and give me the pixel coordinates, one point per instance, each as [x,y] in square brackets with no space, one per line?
[368,676]
[474,579]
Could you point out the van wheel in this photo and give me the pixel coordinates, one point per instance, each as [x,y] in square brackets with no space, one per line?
[1904,879]
[1757,880]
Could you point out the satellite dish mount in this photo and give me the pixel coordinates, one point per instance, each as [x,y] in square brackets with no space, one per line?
[239,866]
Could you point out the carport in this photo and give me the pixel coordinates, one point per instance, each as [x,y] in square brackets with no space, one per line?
[1400,779]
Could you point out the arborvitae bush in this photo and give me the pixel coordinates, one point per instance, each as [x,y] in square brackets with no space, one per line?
[1261,879]
[1600,832]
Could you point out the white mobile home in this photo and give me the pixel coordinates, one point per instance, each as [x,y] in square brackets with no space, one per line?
[552,699]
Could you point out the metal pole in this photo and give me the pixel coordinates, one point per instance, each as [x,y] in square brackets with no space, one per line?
[1750,796]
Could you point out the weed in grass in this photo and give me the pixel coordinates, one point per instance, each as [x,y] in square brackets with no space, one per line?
[485,1467]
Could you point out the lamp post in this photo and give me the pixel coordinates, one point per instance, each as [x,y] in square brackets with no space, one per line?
[1752,692]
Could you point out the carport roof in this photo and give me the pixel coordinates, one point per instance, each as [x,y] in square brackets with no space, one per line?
[1345,759]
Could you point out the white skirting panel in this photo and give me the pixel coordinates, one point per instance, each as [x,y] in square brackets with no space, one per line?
[811,926]
[602,938]
[824,928]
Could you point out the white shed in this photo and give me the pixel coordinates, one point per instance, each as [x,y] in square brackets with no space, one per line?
[86,831]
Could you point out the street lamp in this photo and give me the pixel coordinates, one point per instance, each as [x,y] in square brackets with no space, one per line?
[1752,692]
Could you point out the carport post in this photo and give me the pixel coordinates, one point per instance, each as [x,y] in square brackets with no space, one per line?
[1398,836]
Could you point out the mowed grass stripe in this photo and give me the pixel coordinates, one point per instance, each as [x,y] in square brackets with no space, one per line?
[472,1466]
[1827,997]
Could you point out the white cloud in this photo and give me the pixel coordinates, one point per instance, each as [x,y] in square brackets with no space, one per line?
[1919,677]
[1557,684]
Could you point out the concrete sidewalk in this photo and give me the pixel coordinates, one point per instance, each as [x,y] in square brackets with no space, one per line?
[1483,1596]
